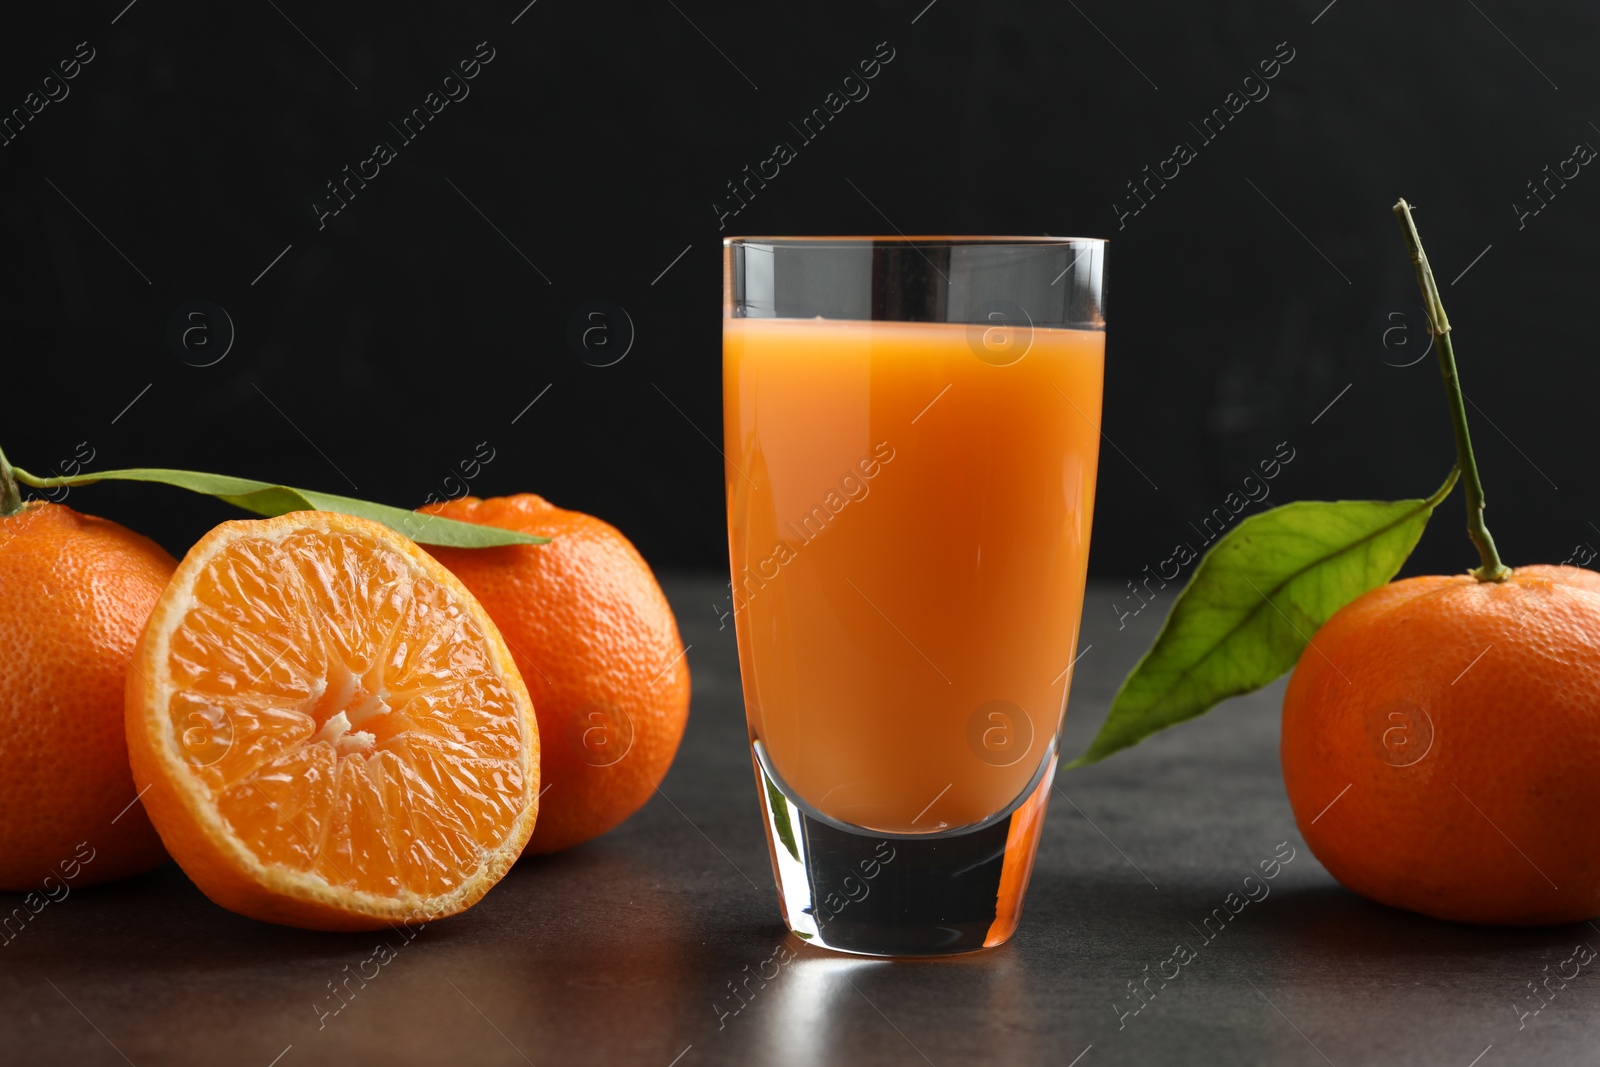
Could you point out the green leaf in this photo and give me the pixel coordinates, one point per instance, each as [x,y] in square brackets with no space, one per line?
[1255,600]
[265,498]
[780,818]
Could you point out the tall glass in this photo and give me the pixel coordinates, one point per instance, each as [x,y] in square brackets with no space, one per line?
[912,430]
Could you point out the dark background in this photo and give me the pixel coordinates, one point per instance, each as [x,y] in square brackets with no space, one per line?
[377,354]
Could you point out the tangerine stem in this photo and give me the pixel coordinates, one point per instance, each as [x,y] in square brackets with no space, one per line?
[10,495]
[1491,569]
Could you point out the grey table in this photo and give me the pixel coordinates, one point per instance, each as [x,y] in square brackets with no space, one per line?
[619,951]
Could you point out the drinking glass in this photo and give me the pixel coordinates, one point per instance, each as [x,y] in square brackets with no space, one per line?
[911,427]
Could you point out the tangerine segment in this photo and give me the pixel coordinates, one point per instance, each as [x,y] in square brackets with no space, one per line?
[332,731]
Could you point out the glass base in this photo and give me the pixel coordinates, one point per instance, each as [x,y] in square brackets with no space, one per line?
[871,893]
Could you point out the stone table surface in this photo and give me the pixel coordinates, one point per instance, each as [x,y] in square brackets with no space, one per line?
[620,951]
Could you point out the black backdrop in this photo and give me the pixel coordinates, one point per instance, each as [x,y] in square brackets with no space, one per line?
[409,332]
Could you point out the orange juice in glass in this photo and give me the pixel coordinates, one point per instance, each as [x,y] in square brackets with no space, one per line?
[912,430]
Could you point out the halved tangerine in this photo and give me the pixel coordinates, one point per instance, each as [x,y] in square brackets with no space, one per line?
[328,730]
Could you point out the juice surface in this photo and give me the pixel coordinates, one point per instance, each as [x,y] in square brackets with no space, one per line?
[908,530]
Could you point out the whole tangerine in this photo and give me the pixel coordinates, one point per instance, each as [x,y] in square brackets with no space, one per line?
[75,592]
[599,649]
[1440,740]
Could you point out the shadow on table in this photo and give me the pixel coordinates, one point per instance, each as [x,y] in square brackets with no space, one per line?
[826,1007]
[156,921]
[1341,925]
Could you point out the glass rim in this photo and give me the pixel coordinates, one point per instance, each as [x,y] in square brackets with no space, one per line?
[848,241]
